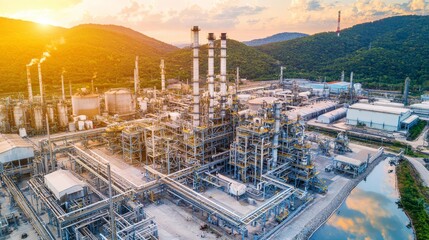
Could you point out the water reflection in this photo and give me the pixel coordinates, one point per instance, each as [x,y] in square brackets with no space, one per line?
[370,212]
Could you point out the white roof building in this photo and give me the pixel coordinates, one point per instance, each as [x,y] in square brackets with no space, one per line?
[63,182]
[380,117]
[13,147]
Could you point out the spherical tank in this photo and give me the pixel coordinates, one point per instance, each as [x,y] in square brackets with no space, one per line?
[19,115]
[119,101]
[37,118]
[88,105]
[62,115]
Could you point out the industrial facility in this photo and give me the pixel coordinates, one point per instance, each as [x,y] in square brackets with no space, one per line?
[202,161]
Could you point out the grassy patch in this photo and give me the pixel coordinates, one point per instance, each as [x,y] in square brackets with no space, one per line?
[416,130]
[414,198]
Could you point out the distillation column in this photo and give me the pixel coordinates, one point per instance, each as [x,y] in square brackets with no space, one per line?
[211,39]
[40,82]
[195,78]
[162,75]
[223,73]
[30,90]
[276,133]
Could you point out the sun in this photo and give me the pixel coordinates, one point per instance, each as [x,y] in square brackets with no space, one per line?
[43,20]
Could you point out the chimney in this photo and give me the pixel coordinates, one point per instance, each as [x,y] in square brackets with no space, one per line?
[223,73]
[351,87]
[211,39]
[342,76]
[40,82]
[162,75]
[62,87]
[276,133]
[136,76]
[196,77]
[406,90]
[30,90]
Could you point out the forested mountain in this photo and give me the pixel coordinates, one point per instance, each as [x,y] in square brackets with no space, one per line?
[279,37]
[107,50]
[381,54]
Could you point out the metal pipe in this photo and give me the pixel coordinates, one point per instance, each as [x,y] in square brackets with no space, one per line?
[70,88]
[40,82]
[211,39]
[223,73]
[162,75]
[30,90]
[112,214]
[196,77]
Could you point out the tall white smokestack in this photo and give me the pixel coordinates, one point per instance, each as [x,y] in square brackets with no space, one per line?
[342,76]
[136,76]
[196,77]
[62,87]
[162,75]
[223,73]
[40,82]
[30,90]
[211,39]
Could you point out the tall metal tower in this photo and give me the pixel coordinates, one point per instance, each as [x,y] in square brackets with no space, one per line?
[339,20]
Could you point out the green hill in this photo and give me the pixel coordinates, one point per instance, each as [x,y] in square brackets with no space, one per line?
[82,50]
[381,53]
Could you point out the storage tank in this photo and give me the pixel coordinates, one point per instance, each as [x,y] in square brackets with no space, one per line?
[234,188]
[86,104]
[19,115]
[38,118]
[81,125]
[63,118]
[51,113]
[119,101]
[3,117]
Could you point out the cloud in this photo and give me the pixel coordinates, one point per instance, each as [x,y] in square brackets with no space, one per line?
[8,6]
[314,5]
[417,5]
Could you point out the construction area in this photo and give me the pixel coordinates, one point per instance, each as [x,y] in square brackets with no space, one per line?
[217,159]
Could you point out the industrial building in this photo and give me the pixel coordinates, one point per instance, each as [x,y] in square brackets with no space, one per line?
[332,116]
[380,117]
[421,110]
[214,159]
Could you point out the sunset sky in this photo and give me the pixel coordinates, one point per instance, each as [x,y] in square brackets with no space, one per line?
[170,20]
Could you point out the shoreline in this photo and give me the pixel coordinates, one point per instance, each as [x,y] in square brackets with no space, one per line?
[314,224]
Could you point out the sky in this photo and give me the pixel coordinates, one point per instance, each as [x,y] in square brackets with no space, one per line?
[170,20]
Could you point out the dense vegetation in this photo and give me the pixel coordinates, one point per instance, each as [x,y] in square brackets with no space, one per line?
[279,37]
[381,54]
[414,198]
[416,130]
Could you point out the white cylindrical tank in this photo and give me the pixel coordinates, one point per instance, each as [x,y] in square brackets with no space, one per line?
[174,116]
[62,115]
[143,105]
[235,188]
[72,127]
[37,118]
[88,105]
[3,116]
[88,124]
[80,125]
[19,115]
[51,113]
[119,101]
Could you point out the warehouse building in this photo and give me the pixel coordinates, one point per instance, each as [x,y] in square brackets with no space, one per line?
[421,110]
[381,117]
[332,116]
